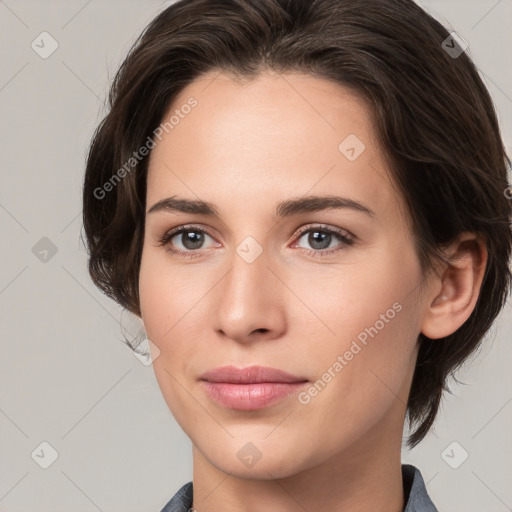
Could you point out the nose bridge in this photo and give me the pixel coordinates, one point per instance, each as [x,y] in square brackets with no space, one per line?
[248,299]
[248,278]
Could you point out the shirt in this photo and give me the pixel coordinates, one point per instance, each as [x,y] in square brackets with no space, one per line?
[416,497]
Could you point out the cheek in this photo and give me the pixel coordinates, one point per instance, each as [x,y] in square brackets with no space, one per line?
[174,306]
[164,311]
[167,295]
[362,376]
[170,319]
[350,300]
[370,319]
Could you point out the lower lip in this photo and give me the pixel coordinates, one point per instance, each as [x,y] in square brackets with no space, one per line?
[250,397]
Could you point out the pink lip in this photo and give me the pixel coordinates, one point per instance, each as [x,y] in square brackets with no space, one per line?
[250,388]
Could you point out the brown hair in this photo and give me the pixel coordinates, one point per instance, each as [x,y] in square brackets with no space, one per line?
[434,118]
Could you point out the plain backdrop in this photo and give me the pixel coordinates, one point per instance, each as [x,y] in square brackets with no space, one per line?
[67,380]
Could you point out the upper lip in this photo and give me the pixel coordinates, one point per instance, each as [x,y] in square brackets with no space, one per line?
[249,375]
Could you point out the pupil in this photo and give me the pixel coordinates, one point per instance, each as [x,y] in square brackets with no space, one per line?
[313,239]
[192,239]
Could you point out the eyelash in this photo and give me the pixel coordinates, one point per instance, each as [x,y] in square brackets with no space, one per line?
[345,239]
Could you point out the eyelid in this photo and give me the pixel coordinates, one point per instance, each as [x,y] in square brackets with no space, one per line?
[324,227]
[171,233]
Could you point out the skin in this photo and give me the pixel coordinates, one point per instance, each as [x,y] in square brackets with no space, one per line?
[244,148]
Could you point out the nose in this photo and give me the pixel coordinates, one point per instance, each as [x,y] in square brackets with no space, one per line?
[251,301]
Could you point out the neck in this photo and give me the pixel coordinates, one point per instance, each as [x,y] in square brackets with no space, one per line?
[365,477]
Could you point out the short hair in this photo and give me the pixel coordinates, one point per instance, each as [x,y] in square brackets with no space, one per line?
[434,118]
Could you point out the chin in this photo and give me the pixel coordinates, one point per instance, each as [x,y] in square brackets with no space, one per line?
[243,458]
[264,469]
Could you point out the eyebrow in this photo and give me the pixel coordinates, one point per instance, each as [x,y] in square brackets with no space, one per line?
[283,209]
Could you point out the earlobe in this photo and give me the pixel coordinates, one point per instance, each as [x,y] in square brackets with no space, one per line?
[456,289]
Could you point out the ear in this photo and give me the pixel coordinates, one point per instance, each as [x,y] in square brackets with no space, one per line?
[456,288]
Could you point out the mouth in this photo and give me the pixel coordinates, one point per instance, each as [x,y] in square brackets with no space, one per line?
[250,388]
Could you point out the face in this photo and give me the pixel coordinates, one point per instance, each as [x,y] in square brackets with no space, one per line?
[269,274]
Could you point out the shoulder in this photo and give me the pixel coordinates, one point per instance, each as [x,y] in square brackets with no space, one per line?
[181,501]
[416,496]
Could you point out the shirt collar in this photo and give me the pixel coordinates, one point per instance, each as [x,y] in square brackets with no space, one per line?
[417,498]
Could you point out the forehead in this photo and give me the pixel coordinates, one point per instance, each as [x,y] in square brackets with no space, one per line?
[270,137]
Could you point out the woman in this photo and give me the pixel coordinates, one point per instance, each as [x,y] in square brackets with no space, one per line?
[305,202]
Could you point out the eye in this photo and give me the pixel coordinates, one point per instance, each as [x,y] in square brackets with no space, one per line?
[188,240]
[321,239]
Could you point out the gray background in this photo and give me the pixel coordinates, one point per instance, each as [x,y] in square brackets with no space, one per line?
[66,377]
